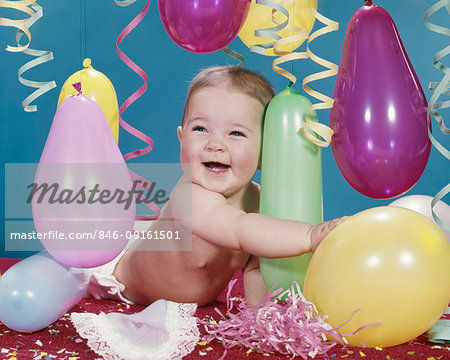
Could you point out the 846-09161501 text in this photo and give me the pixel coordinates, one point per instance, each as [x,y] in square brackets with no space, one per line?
[97,234]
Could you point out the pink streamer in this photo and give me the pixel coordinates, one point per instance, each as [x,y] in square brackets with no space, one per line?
[293,327]
[130,100]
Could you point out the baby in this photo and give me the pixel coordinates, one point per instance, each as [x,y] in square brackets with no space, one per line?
[220,138]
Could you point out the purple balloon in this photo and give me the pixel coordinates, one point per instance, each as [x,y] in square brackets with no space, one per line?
[381,142]
[203,26]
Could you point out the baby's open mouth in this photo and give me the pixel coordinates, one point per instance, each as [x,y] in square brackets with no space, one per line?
[216,166]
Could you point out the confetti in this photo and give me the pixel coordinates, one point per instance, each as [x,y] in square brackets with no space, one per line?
[38,342]
[201,343]
[379,348]
[362,354]
[410,352]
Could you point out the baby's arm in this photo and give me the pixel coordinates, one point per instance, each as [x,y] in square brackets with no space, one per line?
[218,222]
[254,288]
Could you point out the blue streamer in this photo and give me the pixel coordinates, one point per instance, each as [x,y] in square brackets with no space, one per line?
[439,88]
[42,56]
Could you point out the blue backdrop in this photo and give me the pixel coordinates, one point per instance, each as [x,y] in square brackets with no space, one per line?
[75,29]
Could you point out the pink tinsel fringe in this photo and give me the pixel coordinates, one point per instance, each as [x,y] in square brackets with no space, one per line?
[292,327]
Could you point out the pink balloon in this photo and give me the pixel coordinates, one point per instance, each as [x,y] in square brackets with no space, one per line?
[203,26]
[381,143]
[81,202]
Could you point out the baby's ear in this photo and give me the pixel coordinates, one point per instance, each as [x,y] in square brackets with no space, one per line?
[179,130]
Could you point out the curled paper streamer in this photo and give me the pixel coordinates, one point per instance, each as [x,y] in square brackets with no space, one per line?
[234,55]
[299,35]
[270,32]
[321,130]
[21,5]
[439,88]
[327,103]
[440,332]
[131,99]
[124,2]
[42,56]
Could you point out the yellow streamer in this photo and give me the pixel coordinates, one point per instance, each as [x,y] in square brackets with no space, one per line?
[21,5]
[313,131]
[300,35]
[327,103]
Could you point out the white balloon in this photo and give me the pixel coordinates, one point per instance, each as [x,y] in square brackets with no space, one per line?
[422,205]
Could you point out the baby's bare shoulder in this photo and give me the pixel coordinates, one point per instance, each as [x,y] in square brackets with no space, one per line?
[185,187]
[188,197]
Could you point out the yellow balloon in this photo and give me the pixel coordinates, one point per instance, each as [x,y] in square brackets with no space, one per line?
[260,17]
[96,86]
[391,262]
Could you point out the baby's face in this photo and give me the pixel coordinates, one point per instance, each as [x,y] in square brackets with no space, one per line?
[221,138]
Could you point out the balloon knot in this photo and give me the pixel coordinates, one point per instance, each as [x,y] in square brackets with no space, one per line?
[368,2]
[77,87]
[87,62]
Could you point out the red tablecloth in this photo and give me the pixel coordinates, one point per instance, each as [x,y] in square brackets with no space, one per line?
[61,341]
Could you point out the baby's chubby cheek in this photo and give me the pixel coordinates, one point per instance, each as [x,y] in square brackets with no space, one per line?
[185,154]
[247,165]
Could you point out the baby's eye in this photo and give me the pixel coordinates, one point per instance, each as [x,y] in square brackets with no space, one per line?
[237,133]
[198,128]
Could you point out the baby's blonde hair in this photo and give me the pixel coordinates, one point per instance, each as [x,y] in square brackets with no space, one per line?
[244,80]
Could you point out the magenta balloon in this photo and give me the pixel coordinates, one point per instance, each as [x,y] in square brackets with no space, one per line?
[203,26]
[82,222]
[381,143]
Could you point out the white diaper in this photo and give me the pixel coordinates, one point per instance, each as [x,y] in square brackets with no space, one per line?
[102,283]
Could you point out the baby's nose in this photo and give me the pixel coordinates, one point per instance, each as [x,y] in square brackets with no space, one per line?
[216,144]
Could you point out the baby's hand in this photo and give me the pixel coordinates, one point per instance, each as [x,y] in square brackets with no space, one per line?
[318,232]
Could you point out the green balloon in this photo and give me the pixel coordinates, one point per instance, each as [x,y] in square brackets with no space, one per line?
[291,179]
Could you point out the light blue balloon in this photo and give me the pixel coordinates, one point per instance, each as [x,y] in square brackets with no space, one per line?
[36,291]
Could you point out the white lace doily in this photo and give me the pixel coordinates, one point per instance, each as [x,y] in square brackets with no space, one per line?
[164,330]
